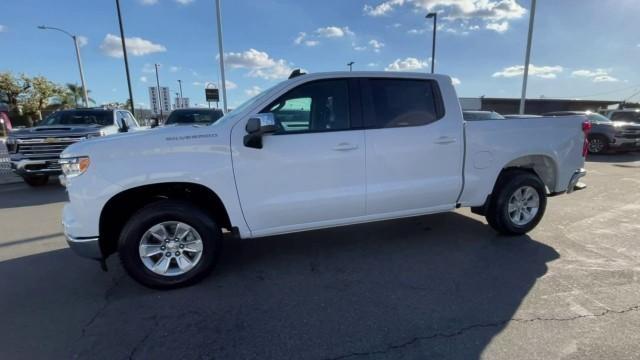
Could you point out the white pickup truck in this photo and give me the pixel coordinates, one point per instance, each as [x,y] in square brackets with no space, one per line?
[315,151]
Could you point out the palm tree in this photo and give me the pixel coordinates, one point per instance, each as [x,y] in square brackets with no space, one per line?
[73,96]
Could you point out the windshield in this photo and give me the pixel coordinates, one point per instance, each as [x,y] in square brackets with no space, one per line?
[82,118]
[593,117]
[630,116]
[204,116]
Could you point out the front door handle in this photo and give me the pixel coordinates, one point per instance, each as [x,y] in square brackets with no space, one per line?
[345,147]
[443,140]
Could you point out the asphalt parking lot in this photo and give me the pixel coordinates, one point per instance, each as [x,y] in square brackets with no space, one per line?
[440,286]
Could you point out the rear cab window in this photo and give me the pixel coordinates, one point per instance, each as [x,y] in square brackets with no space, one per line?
[393,102]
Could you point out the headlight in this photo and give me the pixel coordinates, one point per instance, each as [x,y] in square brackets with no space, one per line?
[101,133]
[72,167]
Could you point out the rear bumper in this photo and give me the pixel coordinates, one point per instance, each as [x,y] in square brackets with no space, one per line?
[25,167]
[577,175]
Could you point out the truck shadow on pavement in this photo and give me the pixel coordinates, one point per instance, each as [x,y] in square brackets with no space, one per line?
[615,157]
[22,195]
[434,286]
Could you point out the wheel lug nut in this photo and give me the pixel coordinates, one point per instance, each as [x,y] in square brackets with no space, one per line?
[181,246]
[162,248]
[177,253]
[168,254]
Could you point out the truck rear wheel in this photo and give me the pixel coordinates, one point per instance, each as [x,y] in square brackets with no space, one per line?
[36,180]
[518,203]
[169,244]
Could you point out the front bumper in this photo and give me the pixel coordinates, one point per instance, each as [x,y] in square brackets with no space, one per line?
[85,247]
[577,175]
[620,143]
[25,167]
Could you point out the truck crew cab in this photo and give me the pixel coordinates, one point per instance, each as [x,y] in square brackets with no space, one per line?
[315,151]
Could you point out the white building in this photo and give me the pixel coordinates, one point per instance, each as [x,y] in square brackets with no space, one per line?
[181,103]
[154,101]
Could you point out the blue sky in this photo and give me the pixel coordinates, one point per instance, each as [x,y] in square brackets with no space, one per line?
[582,48]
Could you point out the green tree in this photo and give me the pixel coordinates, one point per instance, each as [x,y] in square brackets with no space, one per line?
[39,95]
[13,88]
[73,97]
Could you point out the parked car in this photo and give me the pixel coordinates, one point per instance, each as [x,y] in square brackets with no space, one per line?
[34,152]
[481,115]
[607,134]
[5,123]
[520,116]
[194,116]
[315,151]
[627,115]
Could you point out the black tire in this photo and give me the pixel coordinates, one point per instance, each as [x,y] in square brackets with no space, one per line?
[159,212]
[598,144]
[498,211]
[36,180]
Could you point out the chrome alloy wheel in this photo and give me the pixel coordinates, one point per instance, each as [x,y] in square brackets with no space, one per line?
[523,205]
[596,145]
[170,248]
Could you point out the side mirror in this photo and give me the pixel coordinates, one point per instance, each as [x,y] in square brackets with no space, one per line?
[153,122]
[256,127]
[122,125]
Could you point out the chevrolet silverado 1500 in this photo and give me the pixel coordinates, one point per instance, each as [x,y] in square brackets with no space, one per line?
[315,151]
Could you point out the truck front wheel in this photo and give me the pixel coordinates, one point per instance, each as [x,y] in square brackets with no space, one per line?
[169,244]
[518,203]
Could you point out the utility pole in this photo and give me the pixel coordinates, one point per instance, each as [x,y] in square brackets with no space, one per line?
[85,96]
[221,52]
[350,65]
[159,95]
[433,15]
[180,83]
[532,14]
[126,60]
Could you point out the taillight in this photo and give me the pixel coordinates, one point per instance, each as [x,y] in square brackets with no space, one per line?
[586,127]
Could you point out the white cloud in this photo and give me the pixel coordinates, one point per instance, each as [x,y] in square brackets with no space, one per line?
[498,27]
[490,12]
[455,81]
[231,85]
[311,43]
[334,32]
[408,64]
[545,72]
[184,2]
[3,28]
[605,78]
[300,38]
[149,2]
[136,46]
[416,31]
[372,64]
[148,68]
[359,48]
[82,40]
[143,79]
[259,63]
[376,45]
[596,75]
[174,68]
[383,8]
[253,91]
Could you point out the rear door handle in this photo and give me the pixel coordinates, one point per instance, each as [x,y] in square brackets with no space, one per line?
[443,140]
[345,147]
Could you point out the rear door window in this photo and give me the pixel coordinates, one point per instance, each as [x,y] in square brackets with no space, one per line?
[401,102]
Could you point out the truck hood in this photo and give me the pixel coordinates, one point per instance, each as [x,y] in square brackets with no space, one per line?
[55,131]
[136,143]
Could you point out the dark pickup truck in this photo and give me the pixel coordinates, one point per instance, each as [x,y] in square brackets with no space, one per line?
[34,152]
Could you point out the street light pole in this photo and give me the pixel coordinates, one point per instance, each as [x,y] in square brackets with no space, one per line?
[180,83]
[159,95]
[527,56]
[221,52]
[433,15]
[350,65]
[85,96]
[126,60]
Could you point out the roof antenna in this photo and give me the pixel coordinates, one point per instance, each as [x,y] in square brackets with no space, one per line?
[296,73]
